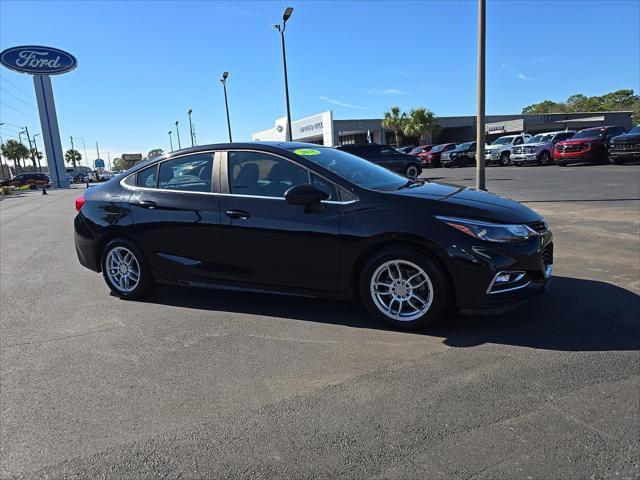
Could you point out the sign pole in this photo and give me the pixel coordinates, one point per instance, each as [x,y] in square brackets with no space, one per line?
[480,160]
[50,132]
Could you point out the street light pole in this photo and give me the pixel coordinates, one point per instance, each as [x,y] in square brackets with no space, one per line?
[170,140]
[73,154]
[285,17]
[178,134]
[33,157]
[1,164]
[480,160]
[190,127]
[226,103]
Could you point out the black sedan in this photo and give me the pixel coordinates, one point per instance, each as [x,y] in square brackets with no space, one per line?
[316,221]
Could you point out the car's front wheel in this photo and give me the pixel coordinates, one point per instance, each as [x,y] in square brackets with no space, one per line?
[412,171]
[505,158]
[544,159]
[404,288]
[125,270]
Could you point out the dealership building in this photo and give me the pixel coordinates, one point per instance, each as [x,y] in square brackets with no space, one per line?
[323,129]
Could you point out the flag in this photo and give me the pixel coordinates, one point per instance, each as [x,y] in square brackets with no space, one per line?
[368,136]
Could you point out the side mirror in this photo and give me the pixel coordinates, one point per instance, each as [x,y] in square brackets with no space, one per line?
[306,195]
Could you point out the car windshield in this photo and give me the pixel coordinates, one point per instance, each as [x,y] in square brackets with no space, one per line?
[464,146]
[502,140]
[541,138]
[438,148]
[417,150]
[635,130]
[591,133]
[352,168]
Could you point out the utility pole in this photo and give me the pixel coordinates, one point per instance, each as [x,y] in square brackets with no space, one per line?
[170,140]
[109,160]
[1,164]
[480,160]
[86,157]
[195,140]
[178,134]
[285,17]
[226,103]
[73,154]
[33,156]
[35,146]
[97,150]
[191,127]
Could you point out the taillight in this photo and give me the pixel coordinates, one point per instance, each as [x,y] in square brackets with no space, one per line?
[79,203]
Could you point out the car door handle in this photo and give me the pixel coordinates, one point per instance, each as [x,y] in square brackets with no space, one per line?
[238,214]
[147,204]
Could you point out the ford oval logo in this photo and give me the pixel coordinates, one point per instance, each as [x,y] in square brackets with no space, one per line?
[38,60]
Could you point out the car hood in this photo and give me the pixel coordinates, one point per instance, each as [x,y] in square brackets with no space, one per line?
[534,144]
[580,140]
[627,136]
[452,200]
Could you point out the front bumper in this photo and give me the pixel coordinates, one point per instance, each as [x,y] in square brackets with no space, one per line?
[625,154]
[524,157]
[476,266]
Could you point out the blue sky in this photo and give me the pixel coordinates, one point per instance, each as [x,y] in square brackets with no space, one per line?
[142,65]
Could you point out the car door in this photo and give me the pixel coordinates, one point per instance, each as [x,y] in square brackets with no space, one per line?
[176,213]
[268,241]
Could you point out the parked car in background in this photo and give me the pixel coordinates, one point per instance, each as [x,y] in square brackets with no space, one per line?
[310,220]
[461,156]
[589,145]
[32,179]
[499,152]
[406,150]
[434,156]
[625,147]
[539,148]
[104,176]
[80,174]
[385,156]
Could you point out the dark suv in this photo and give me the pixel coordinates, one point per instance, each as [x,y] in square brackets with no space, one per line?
[34,180]
[461,156]
[625,147]
[588,145]
[386,156]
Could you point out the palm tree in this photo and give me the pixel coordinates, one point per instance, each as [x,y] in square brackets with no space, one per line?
[419,123]
[72,156]
[394,120]
[155,152]
[15,151]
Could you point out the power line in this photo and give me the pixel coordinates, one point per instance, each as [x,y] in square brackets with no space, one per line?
[13,125]
[4,79]
[18,110]
[17,98]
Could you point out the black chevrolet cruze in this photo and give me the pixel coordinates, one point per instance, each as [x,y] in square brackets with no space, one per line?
[316,221]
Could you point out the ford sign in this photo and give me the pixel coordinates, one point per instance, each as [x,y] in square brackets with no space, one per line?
[37,60]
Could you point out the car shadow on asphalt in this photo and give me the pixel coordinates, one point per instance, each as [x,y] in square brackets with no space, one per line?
[574,315]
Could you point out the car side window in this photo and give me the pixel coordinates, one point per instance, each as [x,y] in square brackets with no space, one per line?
[518,141]
[387,151]
[191,173]
[147,177]
[263,175]
[324,186]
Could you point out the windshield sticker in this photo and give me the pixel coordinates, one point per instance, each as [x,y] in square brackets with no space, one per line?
[306,151]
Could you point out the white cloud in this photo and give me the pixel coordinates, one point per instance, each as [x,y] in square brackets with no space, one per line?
[386,91]
[400,72]
[341,104]
[522,76]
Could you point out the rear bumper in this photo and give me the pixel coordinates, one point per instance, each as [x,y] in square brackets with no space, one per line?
[85,243]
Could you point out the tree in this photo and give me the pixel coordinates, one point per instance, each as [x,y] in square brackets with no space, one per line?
[618,100]
[419,123]
[156,152]
[118,164]
[394,120]
[72,156]
[15,151]
[35,156]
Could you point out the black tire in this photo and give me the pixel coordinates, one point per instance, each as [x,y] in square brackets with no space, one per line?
[544,159]
[517,164]
[614,160]
[440,293]
[412,170]
[145,283]
[562,164]
[504,159]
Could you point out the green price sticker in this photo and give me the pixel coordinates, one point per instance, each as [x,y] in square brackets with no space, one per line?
[306,151]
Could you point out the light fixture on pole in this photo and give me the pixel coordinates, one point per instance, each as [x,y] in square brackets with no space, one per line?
[281,28]
[190,127]
[178,135]
[170,140]
[226,103]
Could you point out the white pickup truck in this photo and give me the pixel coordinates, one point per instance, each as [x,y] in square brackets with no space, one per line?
[499,152]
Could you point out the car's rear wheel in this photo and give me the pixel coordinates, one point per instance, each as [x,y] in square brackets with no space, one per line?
[404,288]
[125,269]
[543,159]
[412,171]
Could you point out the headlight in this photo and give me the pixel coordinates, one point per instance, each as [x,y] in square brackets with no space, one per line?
[490,232]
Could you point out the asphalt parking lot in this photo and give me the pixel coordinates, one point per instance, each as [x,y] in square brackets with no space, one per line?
[195,383]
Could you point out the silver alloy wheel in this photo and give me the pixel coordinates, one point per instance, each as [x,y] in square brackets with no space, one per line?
[123,269]
[401,290]
[412,171]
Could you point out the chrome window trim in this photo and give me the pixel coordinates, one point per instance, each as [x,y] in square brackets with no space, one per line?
[135,188]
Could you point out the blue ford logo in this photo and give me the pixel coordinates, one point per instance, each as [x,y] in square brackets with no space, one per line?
[37,60]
